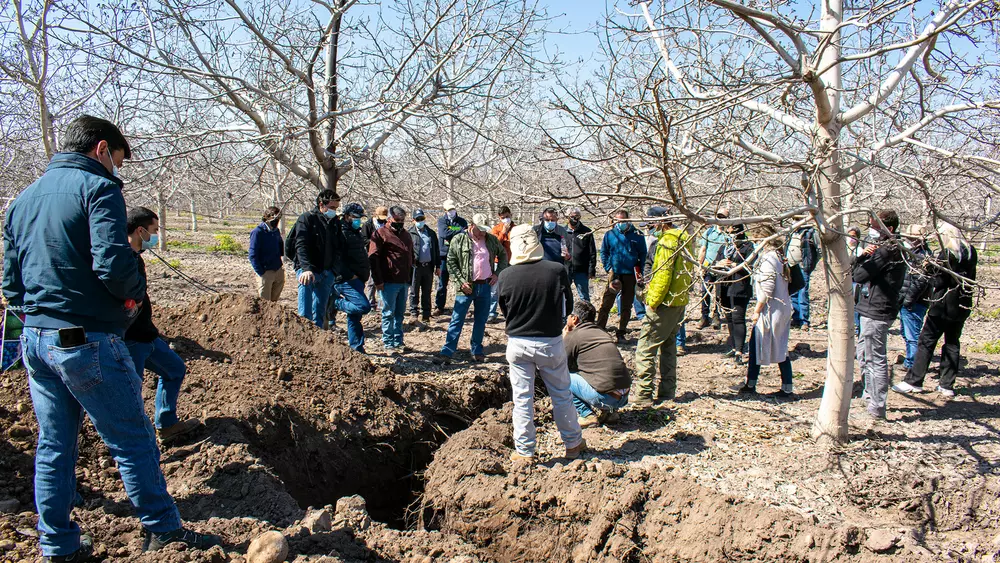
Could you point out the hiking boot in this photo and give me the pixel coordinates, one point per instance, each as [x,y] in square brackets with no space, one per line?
[738,359]
[779,394]
[439,312]
[574,453]
[716,324]
[175,431]
[619,337]
[441,360]
[478,358]
[153,541]
[84,553]
[705,323]
[681,351]
[905,388]
[642,402]
[946,393]
[520,460]
[589,421]
[730,354]
[747,390]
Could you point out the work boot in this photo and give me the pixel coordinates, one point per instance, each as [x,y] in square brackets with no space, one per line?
[153,541]
[704,323]
[519,460]
[716,323]
[84,553]
[478,358]
[441,360]
[641,402]
[574,453]
[175,431]
[589,421]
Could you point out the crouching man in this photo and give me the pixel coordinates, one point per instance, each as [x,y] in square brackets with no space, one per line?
[599,378]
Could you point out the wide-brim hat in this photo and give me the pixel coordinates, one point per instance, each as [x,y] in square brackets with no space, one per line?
[448,205]
[524,245]
[381,213]
[915,231]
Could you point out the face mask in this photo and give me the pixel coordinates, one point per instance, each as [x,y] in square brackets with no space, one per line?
[273,224]
[356,224]
[331,213]
[452,213]
[114,168]
[550,225]
[151,243]
[396,226]
[420,224]
[623,227]
[506,220]
[574,221]
[874,234]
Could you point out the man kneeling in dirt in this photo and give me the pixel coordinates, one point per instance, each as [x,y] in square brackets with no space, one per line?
[599,378]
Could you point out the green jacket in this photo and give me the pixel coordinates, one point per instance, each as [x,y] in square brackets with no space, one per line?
[671,275]
[460,257]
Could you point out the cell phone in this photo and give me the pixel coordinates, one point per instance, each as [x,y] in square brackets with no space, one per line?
[72,337]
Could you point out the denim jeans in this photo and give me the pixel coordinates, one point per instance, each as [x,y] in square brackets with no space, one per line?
[442,292]
[313,297]
[637,306]
[97,379]
[393,297]
[481,297]
[871,356]
[352,301]
[582,282]
[157,357]
[587,400]
[548,357]
[682,335]
[800,303]
[911,320]
[494,300]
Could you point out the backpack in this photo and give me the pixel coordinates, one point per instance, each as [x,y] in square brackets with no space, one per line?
[802,249]
[290,243]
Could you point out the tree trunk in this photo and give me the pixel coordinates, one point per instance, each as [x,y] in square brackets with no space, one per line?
[831,421]
[45,121]
[194,217]
[161,210]
[331,173]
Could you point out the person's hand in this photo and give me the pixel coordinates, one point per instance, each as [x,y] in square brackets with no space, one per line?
[466,288]
[437,271]
[870,249]
[379,286]
[616,285]
[754,316]
[306,278]
[493,279]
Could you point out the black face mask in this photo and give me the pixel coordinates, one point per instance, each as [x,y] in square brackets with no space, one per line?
[273,224]
[573,221]
[396,226]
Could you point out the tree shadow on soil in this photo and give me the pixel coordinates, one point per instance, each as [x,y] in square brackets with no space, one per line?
[189,349]
[682,443]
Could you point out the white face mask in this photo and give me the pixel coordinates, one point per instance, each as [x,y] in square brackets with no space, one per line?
[874,234]
[452,213]
[506,220]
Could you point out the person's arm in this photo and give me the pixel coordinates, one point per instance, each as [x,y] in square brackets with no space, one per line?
[606,252]
[572,344]
[865,270]
[647,268]
[502,297]
[253,252]
[567,291]
[375,247]
[642,250]
[455,270]
[13,284]
[502,261]
[280,248]
[114,260]
[768,280]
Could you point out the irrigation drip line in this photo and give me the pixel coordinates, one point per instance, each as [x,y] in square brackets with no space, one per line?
[191,281]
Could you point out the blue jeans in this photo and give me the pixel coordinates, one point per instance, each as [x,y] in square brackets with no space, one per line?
[911,319]
[352,301]
[481,298]
[393,296]
[800,303]
[313,297]
[682,335]
[157,357]
[97,379]
[638,306]
[582,282]
[587,400]
[494,300]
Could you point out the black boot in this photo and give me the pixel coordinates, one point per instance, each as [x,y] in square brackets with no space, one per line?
[84,553]
[153,541]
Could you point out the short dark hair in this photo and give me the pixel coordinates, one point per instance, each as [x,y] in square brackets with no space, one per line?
[84,132]
[890,219]
[270,214]
[622,213]
[585,311]
[326,196]
[504,209]
[551,210]
[140,217]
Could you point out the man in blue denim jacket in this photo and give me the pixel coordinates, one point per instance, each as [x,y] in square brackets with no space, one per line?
[69,268]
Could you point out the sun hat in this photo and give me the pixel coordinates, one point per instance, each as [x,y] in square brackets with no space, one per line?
[524,245]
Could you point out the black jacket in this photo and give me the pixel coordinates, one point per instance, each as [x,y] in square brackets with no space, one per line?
[534,298]
[740,284]
[951,298]
[582,250]
[142,328]
[417,241]
[881,277]
[369,227]
[349,252]
[916,284]
[311,249]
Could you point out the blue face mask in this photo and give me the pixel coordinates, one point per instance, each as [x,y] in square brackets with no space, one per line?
[549,225]
[356,223]
[151,243]
[420,224]
[623,227]
[331,213]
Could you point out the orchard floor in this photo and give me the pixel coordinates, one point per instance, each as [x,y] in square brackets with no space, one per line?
[294,419]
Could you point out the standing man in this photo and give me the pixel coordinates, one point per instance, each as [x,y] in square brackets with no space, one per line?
[425,266]
[391,256]
[552,237]
[622,250]
[379,220]
[802,249]
[502,231]
[534,296]
[583,254]
[913,296]
[879,271]
[666,300]
[599,378]
[265,255]
[147,349]
[351,269]
[311,255]
[449,225]
[709,244]
[69,268]
[472,257]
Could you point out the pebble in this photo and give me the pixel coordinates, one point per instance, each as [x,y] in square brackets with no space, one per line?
[19,431]
[881,541]
[203,318]
[7,545]
[23,407]
[270,547]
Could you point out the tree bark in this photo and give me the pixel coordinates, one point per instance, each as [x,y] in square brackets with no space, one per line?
[330,171]
[194,217]
[161,210]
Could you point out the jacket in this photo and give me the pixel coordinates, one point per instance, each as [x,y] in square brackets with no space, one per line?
[67,259]
[348,253]
[447,229]
[740,284]
[311,233]
[552,242]
[622,252]
[534,298]
[591,353]
[881,278]
[418,242]
[951,298]
[916,284]
[670,279]
[142,328]
[582,250]
[369,227]
[502,233]
[460,257]
[390,253]
[265,249]
[804,244]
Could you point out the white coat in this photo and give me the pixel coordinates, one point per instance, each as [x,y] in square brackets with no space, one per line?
[775,322]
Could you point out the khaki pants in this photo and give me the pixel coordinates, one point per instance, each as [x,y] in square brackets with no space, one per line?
[658,341]
[269,285]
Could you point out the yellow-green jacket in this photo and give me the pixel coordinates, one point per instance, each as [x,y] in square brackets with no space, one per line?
[670,273]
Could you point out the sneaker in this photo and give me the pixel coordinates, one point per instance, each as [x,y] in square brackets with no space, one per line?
[177,430]
[746,390]
[642,402]
[589,421]
[905,388]
[574,453]
[665,398]
[440,312]
[779,394]
[681,352]
[153,541]
[730,354]
[738,359]
[619,337]
[441,360]
[946,393]
[84,553]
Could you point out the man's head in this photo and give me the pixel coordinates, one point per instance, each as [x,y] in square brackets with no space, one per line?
[99,139]
[479,226]
[143,227]
[722,213]
[328,200]
[504,214]
[659,213]
[272,215]
[382,213]
[889,218]
[419,216]
[583,312]
[398,215]
[621,220]
[450,208]
[574,215]
[353,212]
[524,245]
[550,215]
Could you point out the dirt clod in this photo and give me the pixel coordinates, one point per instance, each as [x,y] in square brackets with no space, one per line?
[881,541]
[270,547]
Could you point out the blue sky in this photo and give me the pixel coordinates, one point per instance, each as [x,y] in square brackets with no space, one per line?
[574,22]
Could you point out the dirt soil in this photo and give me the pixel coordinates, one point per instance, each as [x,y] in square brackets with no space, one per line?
[296,419]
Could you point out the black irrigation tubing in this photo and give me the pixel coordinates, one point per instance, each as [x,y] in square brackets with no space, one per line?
[193,282]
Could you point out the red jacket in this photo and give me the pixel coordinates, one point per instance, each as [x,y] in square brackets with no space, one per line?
[390,253]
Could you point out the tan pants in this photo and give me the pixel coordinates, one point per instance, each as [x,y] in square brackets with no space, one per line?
[269,285]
